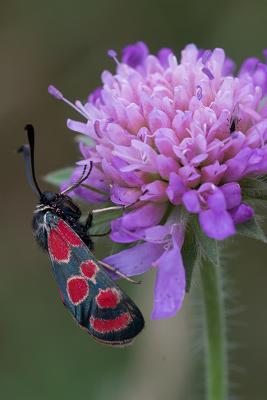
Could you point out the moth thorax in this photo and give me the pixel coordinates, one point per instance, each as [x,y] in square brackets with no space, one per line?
[48,198]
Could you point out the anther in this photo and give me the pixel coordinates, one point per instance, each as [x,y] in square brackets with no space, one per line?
[55,92]
[113,54]
[59,96]
[207,72]
[199,92]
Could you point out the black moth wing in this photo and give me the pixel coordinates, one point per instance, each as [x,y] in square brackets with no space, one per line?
[105,312]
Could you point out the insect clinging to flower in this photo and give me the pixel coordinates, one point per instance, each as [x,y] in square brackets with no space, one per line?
[95,301]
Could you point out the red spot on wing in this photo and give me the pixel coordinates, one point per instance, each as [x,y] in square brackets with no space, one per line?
[69,235]
[77,289]
[89,269]
[108,298]
[110,325]
[58,247]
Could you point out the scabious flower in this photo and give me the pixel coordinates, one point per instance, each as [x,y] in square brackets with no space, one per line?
[171,139]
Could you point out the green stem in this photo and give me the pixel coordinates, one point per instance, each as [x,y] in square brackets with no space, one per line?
[214,331]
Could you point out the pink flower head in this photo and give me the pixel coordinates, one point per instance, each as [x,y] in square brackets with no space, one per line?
[172,135]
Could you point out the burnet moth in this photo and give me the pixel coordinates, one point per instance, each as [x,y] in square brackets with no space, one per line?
[94,300]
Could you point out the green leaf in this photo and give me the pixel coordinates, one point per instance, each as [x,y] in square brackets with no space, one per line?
[190,255]
[85,140]
[252,229]
[207,246]
[102,220]
[59,176]
[118,247]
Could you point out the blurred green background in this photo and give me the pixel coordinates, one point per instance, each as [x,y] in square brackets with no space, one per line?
[43,354]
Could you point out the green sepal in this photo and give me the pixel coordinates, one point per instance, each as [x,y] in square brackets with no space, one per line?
[102,220]
[252,229]
[60,175]
[207,246]
[189,255]
[254,188]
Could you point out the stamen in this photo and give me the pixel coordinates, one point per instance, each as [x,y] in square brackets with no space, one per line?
[144,157]
[55,92]
[143,135]
[59,96]
[199,92]
[202,200]
[113,54]
[97,128]
[81,107]
[221,143]
[207,72]
[206,56]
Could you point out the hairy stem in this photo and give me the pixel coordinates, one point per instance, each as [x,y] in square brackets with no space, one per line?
[214,331]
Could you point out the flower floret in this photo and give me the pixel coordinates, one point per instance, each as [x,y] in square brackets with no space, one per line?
[173,135]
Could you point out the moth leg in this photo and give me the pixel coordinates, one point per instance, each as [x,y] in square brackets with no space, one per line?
[88,222]
[102,234]
[113,208]
[91,214]
[89,219]
[119,273]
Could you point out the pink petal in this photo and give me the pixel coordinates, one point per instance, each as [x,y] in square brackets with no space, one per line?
[232,194]
[217,225]
[166,165]
[170,284]
[175,189]
[136,260]
[144,217]
[241,214]
[154,191]
[191,201]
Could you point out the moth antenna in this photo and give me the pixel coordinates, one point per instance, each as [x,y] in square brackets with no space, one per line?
[80,181]
[28,153]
